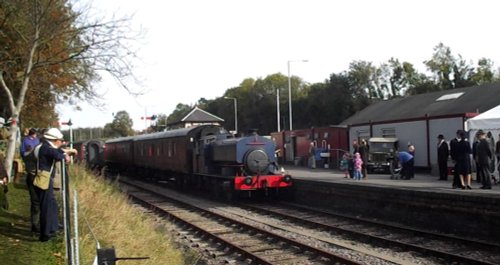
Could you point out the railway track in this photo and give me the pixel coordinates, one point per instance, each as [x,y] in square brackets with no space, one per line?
[446,249]
[236,239]
[290,234]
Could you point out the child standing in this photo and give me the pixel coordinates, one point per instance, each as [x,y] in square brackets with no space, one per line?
[344,164]
[358,163]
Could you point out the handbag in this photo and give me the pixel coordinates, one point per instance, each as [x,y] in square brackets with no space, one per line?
[42,177]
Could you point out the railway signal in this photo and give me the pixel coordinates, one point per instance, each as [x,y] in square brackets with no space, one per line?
[152,117]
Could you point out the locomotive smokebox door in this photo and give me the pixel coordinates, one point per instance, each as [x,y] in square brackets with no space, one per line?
[257,161]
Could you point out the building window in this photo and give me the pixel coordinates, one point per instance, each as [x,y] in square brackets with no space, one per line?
[388,132]
[450,96]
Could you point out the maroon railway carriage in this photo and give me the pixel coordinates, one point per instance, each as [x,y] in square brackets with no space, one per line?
[118,154]
[171,151]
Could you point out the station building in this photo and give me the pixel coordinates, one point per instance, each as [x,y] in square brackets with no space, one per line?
[419,119]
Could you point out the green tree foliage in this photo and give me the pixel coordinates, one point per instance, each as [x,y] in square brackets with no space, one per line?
[121,126]
[180,111]
[484,72]
[362,76]
[453,71]
[441,65]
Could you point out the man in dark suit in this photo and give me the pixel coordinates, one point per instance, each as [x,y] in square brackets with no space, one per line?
[484,155]
[442,153]
[453,154]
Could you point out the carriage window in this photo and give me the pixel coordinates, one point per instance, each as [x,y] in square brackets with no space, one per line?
[169,149]
[175,148]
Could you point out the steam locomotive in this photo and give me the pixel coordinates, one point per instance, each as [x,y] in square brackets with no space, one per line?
[202,157]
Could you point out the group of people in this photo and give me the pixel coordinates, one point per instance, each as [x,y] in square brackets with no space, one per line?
[40,155]
[354,165]
[484,154]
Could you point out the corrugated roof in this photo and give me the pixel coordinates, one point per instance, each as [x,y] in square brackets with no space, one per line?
[199,115]
[456,101]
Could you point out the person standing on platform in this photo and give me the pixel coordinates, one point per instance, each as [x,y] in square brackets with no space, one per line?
[453,153]
[497,150]
[483,159]
[312,156]
[363,150]
[442,153]
[463,152]
[491,143]
[474,157]
[355,147]
[497,153]
[358,165]
[344,164]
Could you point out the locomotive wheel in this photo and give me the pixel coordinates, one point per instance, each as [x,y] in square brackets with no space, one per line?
[228,190]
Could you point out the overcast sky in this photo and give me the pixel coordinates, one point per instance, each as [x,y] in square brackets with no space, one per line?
[200,48]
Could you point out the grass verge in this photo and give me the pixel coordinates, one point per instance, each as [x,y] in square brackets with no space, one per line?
[114,221]
[18,246]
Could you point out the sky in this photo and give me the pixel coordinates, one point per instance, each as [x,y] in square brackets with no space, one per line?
[194,49]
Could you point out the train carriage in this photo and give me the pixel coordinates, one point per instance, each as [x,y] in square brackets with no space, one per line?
[118,153]
[170,151]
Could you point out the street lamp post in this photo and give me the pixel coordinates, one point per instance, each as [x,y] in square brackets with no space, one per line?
[290,90]
[235,114]
[278,108]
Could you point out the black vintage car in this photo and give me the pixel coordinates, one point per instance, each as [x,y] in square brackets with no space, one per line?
[382,156]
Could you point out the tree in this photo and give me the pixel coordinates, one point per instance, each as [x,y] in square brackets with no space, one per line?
[48,45]
[484,72]
[362,75]
[394,78]
[180,111]
[121,125]
[441,64]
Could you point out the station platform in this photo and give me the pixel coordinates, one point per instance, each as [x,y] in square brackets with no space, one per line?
[421,182]
[423,202]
